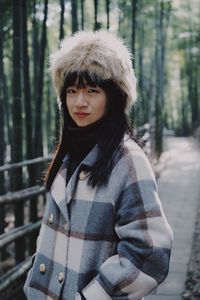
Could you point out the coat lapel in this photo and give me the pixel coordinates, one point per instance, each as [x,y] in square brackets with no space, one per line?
[88,161]
[58,188]
[63,194]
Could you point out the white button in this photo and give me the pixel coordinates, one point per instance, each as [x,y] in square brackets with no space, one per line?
[61,277]
[51,218]
[42,268]
[78,296]
[66,226]
[83,175]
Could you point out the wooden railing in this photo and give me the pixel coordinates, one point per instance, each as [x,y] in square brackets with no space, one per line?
[144,135]
[11,269]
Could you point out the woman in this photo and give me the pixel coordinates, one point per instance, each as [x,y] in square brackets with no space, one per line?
[104,234]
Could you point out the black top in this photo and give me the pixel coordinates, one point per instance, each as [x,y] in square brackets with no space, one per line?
[81,142]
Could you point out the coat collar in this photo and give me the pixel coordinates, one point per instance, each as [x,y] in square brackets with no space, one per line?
[62,193]
[88,160]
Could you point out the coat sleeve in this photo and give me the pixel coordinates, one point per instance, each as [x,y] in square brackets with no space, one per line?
[145,237]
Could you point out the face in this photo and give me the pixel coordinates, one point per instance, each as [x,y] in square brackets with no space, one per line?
[87,104]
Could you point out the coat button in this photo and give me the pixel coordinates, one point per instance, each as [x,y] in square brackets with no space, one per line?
[78,296]
[42,268]
[61,277]
[83,175]
[66,226]
[51,218]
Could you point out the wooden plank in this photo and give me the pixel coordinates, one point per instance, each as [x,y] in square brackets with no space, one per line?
[14,274]
[143,127]
[25,194]
[17,233]
[24,163]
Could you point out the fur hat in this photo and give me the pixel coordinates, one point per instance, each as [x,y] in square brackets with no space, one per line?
[100,52]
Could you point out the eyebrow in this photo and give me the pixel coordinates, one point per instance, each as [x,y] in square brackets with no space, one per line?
[94,85]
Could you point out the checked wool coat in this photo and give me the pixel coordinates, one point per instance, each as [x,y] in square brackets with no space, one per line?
[110,242]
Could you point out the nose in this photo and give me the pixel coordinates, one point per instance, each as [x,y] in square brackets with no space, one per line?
[81,100]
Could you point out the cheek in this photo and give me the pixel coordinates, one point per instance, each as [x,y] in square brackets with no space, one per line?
[68,104]
[103,106]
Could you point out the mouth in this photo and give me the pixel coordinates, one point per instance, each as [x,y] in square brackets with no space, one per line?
[81,114]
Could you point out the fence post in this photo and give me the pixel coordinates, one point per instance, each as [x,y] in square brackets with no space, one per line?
[16,184]
[33,212]
[2,214]
[14,192]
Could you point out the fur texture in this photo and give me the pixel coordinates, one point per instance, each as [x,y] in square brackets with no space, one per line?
[100,52]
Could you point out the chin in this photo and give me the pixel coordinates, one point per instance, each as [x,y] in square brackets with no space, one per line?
[82,124]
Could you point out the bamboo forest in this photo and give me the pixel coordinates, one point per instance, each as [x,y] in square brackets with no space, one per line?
[164,38]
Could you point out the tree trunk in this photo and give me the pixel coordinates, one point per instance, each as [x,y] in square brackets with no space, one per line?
[184,109]
[35,67]
[26,84]
[134,4]
[62,11]
[2,113]
[39,92]
[122,16]
[162,15]
[159,80]
[108,13]
[82,14]
[74,16]
[28,120]
[141,73]
[192,66]
[61,36]
[96,23]
[143,117]
[2,120]
[38,140]
[16,147]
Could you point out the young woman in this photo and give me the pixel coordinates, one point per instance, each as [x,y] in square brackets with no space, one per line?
[104,234]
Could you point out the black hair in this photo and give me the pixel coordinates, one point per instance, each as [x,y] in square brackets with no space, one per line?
[109,141]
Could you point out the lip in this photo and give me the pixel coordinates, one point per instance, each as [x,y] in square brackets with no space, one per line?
[81,114]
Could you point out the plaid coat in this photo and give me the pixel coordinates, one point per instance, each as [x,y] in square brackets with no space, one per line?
[110,242]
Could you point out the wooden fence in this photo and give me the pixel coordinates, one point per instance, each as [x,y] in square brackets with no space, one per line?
[12,237]
[13,269]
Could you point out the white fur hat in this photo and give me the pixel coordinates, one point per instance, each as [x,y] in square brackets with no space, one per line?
[100,52]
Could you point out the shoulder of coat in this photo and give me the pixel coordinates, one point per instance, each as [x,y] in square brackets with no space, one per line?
[134,152]
[136,158]
[131,145]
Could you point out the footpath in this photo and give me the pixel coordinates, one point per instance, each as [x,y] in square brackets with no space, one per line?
[179,190]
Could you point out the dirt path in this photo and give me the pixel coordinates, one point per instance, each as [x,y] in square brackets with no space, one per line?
[179,190]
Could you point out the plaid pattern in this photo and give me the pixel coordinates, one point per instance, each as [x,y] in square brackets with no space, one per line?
[111,242]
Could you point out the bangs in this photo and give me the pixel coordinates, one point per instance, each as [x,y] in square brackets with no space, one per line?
[116,96]
[82,79]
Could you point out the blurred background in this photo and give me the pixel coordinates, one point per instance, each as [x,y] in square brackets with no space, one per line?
[164,37]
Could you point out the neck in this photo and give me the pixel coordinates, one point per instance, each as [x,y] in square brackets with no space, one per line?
[83,139]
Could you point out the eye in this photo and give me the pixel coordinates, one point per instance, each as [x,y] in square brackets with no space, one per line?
[92,90]
[71,91]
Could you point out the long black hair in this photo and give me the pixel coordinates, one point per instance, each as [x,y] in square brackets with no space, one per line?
[116,126]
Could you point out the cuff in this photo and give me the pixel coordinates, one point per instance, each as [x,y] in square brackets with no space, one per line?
[95,291]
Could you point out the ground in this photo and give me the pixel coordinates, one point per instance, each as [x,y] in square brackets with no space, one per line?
[192,284]
[179,191]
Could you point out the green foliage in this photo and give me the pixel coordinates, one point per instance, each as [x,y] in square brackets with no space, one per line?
[180,37]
